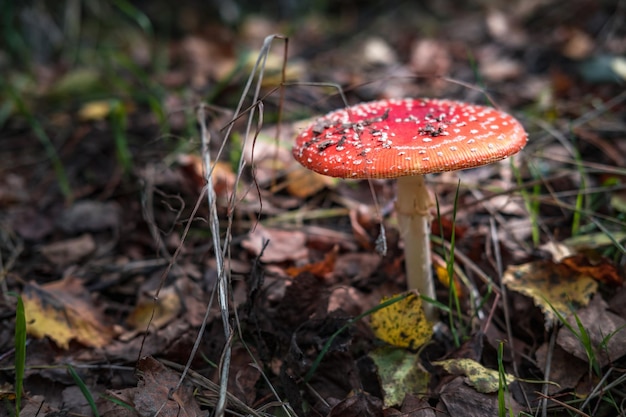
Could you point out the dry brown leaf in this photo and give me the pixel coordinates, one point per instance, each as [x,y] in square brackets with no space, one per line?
[69,251]
[459,399]
[358,404]
[320,269]
[282,245]
[13,190]
[503,27]
[303,183]
[223,176]
[357,268]
[566,370]
[415,406]
[552,286]
[579,44]
[243,376]
[430,57]
[63,311]
[7,392]
[152,395]
[206,59]
[606,331]
[601,270]
[90,216]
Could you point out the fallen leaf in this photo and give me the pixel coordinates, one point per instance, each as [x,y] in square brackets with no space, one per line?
[94,110]
[303,297]
[346,299]
[13,190]
[223,176]
[601,269]
[69,251]
[579,44]
[458,399]
[358,404]
[505,28]
[153,395]
[75,402]
[273,68]
[63,311]
[357,268]
[566,370]
[429,56]
[282,245]
[498,68]
[557,250]
[270,155]
[30,224]
[303,183]
[403,323]
[400,373]
[244,376]
[441,271]
[206,59]
[90,216]
[606,332]
[485,380]
[552,286]
[36,406]
[157,313]
[320,269]
[7,393]
[414,406]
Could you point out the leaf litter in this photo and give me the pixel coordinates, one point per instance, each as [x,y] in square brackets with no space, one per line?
[115,274]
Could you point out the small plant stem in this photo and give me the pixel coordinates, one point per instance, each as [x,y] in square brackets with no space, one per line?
[413,209]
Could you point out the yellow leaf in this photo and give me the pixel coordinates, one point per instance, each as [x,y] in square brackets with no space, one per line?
[156,313]
[63,311]
[403,323]
[441,272]
[95,110]
[273,67]
[303,183]
[552,286]
[483,379]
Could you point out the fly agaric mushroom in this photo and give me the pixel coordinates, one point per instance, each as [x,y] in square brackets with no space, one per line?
[406,139]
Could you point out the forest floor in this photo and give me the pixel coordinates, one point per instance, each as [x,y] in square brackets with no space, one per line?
[120,274]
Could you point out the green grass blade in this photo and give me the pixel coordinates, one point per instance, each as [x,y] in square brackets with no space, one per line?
[118,125]
[135,14]
[83,388]
[20,353]
[118,402]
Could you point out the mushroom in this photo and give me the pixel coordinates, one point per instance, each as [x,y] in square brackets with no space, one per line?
[406,139]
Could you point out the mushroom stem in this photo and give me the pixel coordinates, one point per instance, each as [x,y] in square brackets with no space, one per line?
[413,210]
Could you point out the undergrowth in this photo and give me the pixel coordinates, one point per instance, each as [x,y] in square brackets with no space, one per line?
[112,78]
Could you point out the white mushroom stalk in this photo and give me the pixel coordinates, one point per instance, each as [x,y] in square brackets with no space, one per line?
[413,205]
[406,139]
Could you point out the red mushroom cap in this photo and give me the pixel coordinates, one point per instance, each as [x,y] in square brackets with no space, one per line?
[400,137]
